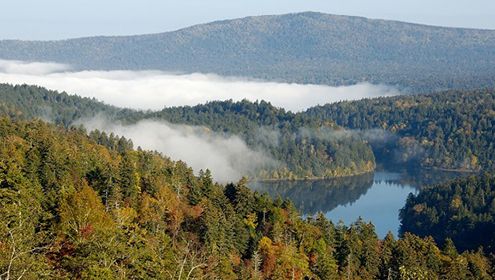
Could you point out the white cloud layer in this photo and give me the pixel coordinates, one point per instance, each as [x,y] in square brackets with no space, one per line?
[31,68]
[155,90]
[228,158]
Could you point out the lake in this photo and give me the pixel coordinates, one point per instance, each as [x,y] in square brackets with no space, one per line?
[376,197]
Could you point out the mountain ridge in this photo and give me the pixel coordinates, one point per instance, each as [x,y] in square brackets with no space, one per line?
[250,17]
[302,48]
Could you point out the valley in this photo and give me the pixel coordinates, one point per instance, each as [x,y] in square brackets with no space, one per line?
[376,197]
[304,145]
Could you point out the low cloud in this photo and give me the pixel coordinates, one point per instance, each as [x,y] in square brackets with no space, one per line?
[373,136]
[228,157]
[155,90]
[31,68]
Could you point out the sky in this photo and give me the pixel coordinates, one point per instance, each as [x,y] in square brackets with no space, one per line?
[61,19]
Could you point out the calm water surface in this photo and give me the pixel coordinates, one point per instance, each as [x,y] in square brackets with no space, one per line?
[374,197]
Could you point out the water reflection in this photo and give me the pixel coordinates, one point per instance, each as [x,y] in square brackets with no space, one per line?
[314,196]
[374,197]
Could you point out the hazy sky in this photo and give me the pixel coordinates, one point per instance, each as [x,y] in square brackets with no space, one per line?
[56,19]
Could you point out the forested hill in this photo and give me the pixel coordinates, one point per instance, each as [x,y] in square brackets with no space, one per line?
[74,207]
[450,130]
[301,146]
[447,130]
[304,47]
[462,210]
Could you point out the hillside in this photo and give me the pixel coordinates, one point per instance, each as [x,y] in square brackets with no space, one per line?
[72,208]
[461,210]
[447,130]
[304,47]
[300,146]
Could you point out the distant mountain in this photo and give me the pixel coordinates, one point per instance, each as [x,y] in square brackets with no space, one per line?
[305,47]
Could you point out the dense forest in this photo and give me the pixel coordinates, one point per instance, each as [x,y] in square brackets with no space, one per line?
[88,206]
[461,210]
[449,130]
[309,147]
[23,102]
[303,146]
[77,203]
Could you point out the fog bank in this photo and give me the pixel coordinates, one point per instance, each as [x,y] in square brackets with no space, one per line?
[227,157]
[155,90]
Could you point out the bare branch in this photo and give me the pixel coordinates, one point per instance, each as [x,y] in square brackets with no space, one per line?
[193,268]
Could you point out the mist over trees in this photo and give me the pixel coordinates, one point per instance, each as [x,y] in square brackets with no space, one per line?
[447,130]
[79,206]
[303,148]
[86,204]
[79,199]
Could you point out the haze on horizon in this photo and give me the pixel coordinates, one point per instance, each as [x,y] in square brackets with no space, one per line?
[57,19]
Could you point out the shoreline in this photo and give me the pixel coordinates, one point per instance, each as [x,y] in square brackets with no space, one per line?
[311,178]
[453,170]
[458,170]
